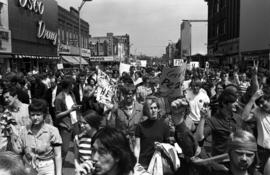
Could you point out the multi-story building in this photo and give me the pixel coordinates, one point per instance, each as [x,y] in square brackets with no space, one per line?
[223,29]
[28,35]
[68,31]
[110,48]
[238,31]
[185,39]
[255,32]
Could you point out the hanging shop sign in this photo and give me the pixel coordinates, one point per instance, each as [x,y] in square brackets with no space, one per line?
[33,5]
[45,33]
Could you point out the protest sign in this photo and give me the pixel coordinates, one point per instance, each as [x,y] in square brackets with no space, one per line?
[124,68]
[106,89]
[178,62]
[194,64]
[143,63]
[60,66]
[105,95]
[171,81]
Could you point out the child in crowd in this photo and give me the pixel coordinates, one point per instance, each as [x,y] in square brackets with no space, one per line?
[89,125]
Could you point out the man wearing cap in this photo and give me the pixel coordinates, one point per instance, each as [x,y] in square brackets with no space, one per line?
[258,107]
[222,124]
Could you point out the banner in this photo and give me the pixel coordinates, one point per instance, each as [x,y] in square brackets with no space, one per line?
[124,68]
[171,81]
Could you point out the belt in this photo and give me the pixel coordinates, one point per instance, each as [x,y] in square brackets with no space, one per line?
[43,163]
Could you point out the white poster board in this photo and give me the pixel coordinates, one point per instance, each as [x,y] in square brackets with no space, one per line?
[178,62]
[60,66]
[124,68]
[143,63]
[194,64]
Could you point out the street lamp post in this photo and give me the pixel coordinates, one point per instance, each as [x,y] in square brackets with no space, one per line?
[79,39]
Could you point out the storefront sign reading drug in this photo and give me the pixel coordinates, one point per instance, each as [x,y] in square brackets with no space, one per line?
[38,7]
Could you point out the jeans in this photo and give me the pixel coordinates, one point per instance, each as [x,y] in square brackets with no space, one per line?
[66,138]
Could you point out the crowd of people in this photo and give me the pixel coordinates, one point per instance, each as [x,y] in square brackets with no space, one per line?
[219,123]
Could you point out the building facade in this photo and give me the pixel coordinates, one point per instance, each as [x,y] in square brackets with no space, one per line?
[239,32]
[68,30]
[223,29]
[255,32]
[28,35]
[110,48]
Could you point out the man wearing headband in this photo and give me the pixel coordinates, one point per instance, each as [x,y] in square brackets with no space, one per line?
[258,107]
[242,149]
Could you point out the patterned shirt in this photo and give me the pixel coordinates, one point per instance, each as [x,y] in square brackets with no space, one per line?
[84,147]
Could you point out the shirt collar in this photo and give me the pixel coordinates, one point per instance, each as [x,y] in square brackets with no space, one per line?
[43,129]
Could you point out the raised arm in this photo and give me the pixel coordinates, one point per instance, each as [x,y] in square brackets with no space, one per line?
[246,112]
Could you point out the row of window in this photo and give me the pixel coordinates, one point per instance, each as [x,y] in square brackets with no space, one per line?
[216,6]
[71,38]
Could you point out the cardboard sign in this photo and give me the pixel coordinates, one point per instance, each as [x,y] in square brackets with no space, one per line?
[106,89]
[124,68]
[60,66]
[171,81]
[194,64]
[105,95]
[143,63]
[178,62]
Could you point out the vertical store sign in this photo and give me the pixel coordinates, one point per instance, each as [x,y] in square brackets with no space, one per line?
[5,34]
[38,8]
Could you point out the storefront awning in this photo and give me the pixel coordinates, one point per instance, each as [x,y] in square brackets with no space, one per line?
[84,62]
[70,59]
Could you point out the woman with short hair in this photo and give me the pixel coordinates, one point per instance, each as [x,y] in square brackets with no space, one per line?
[40,143]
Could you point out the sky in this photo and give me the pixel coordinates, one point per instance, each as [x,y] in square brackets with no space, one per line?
[151,24]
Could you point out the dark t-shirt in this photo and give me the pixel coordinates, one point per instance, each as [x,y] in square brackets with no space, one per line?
[221,127]
[185,139]
[151,131]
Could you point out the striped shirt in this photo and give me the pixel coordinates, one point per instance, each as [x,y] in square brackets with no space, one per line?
[84,147]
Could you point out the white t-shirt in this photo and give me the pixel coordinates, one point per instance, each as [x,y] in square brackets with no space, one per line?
[196,103]
[263,128]
[70,103]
